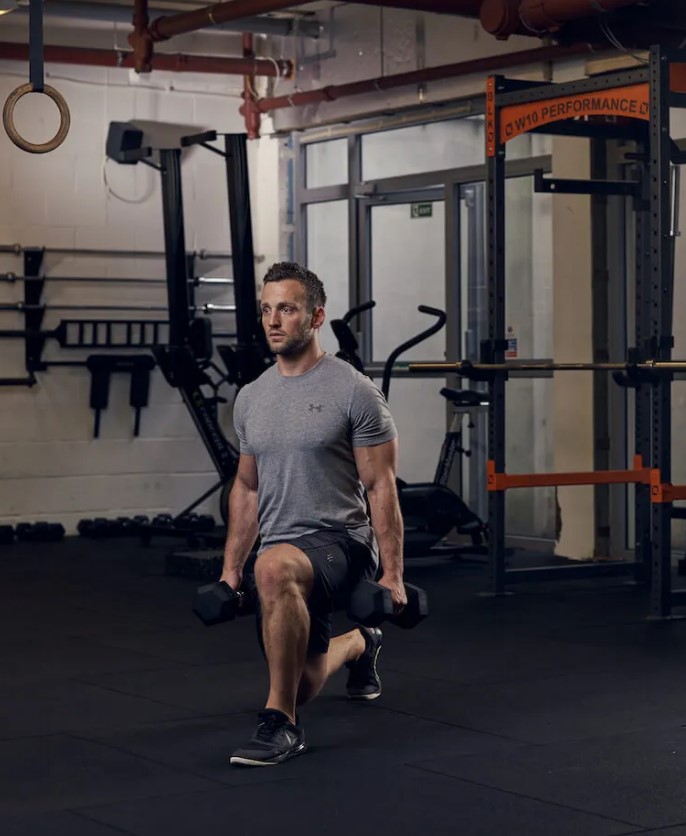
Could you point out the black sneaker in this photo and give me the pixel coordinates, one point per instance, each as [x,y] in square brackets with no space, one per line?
[275,740]
[363,679]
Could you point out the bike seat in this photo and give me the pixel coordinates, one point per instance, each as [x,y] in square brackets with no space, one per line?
[465,397]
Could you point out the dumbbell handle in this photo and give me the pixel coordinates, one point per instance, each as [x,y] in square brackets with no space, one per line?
[240,593]
[372,604]
[218,602]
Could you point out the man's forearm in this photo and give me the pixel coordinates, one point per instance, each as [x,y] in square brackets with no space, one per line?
[387,523]
[242,528]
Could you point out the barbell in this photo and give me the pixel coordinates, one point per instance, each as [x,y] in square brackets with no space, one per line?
[467,368]
[22,307]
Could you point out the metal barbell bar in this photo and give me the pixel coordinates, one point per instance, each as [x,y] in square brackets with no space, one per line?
[203,255]
[21,307]
[466,368]
[11,278]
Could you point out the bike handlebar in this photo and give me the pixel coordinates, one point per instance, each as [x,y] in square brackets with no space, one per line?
[419,338]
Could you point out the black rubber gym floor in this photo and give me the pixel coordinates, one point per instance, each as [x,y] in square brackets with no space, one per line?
[558,710]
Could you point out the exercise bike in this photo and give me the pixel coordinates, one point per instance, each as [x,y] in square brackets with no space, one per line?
[430,510]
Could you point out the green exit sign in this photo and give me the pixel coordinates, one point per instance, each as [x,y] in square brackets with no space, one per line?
[421,210]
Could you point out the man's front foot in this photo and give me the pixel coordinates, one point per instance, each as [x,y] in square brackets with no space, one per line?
[363,678]
[276,740]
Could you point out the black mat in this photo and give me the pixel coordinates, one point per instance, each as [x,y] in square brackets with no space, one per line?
[366,803]
[638,777]
[53,824]
[557,710]
[63,773]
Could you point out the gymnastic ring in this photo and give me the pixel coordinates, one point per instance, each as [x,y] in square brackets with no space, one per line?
[17,139]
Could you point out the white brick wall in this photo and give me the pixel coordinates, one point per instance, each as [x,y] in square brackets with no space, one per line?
[51,467]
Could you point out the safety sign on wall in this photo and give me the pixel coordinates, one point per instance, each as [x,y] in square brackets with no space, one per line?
[511,352]
[421,210]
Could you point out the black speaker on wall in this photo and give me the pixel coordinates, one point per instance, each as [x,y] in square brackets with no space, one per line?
[122,139]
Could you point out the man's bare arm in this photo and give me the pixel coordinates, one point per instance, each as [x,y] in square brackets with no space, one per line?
[377,468]
[242,528]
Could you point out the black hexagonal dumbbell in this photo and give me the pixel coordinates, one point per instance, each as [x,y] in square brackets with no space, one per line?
[371,604]
[40,532]
[218,602]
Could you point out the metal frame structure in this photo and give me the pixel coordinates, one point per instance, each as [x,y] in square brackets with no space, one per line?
[641,98]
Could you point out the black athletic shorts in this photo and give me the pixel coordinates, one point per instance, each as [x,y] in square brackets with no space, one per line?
[339,563]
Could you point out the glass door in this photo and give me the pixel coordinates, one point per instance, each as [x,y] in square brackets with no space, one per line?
[405,265]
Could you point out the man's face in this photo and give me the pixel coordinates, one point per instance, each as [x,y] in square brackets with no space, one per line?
[286,320]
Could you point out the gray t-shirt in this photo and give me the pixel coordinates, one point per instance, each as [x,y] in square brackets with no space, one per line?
[302,431]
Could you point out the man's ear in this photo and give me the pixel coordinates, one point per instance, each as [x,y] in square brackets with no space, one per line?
[318,317]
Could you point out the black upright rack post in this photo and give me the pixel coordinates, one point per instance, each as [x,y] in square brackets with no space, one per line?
[643,390]
[242,247]
[495,201]
[177,359]
[250,356]
[175,246]
[662,281]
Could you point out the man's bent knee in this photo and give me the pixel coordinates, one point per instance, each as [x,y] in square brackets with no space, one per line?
[281,567]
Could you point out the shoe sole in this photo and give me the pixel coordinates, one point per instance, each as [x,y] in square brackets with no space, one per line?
[364,696]
[376,694]
[241,761]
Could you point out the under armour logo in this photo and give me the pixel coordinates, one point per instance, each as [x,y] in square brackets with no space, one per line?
[316,406]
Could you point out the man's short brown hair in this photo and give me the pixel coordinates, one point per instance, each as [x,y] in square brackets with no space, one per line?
[314,289]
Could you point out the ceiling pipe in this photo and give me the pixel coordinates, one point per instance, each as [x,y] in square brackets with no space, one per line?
[111,13]
[548,15]
[467,8]
[446,71]
[139,38]
[249,110]
[163,28]
[503,18]
[145,35]
[173,63]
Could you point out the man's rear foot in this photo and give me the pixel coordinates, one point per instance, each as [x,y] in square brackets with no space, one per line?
[363,678]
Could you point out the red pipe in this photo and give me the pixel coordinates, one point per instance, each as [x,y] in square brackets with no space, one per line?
[467,8]
[249,110]
[375,85]
[139,39]
[549,15]
[503,18]
[167,26]
[140,15]
[173,63]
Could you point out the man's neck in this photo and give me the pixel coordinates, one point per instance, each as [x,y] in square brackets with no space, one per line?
[295,366]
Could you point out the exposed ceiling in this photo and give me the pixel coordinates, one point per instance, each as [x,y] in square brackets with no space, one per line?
[621,24]
[556,28]
[631,23]
[641,22]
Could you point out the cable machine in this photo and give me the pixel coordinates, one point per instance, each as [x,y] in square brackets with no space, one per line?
[186,359]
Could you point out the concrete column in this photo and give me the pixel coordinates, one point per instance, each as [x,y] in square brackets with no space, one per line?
[572,341]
